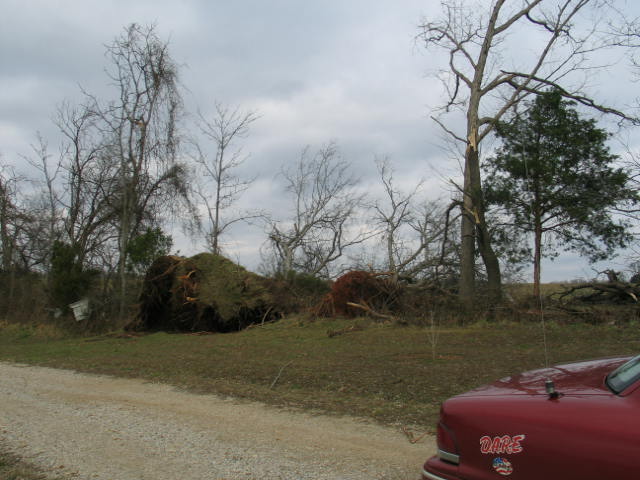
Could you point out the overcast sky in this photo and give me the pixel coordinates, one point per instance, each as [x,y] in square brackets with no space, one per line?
[348,71]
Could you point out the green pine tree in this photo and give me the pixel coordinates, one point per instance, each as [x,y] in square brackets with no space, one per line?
[554,177]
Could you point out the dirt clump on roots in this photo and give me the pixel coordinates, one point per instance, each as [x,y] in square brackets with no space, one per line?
[360,293]
[205,292]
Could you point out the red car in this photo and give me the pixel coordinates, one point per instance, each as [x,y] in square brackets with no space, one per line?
[576,421]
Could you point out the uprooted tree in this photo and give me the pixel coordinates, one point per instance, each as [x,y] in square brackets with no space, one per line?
[361,293]
[206,292]
[613,290]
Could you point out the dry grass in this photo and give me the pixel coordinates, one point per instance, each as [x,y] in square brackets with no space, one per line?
[385,372]
[40,331]
[520,291]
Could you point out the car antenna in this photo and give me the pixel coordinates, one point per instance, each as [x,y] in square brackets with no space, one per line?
[550,387]
[544,332]
[539,299]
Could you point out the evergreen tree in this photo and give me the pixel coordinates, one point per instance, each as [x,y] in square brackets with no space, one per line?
[555,177]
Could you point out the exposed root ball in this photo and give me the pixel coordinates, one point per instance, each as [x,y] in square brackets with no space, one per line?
[203,293]
[358,287]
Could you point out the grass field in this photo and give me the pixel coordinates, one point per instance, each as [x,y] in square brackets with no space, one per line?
[393,374]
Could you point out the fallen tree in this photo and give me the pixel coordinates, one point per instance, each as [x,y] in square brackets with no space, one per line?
[611,291]
[360,293]
[206,292]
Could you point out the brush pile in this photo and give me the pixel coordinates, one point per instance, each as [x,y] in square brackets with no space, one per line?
[612,291]
[206,292]
[601,292]
[360,293]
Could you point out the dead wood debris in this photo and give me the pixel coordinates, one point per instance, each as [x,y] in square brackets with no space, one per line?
[363,306]
[359,293]
[275,380]
[411,436]
[342,331]
[601,292]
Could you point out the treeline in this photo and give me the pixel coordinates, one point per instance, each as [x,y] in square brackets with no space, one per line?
[96,215]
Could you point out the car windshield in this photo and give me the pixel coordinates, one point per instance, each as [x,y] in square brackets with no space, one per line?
[624,375]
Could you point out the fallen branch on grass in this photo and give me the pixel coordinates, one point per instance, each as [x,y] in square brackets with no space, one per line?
[260,325]
[411,436]
[342,331]
[370,311]
[275,380]
[265,316]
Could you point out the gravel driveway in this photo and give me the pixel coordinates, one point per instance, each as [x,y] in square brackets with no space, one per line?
[94,427]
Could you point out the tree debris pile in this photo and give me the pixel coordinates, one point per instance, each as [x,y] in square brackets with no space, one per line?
[206,292]
[615,292]
[361,293]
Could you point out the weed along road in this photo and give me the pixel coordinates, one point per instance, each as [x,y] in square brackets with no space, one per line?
[93,427]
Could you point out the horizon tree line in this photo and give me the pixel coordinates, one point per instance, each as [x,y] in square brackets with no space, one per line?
[127,167]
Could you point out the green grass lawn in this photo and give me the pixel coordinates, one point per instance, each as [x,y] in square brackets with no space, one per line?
[387,372]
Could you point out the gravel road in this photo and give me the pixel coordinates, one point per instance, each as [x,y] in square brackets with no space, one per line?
[95,427]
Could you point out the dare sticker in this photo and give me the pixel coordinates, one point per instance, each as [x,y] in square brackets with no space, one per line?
[501,444]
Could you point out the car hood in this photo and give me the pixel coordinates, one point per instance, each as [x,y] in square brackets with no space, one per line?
[579,378]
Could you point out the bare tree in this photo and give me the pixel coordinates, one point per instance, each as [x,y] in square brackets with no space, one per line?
[26,222]
[483,82]
[16,222]
[324,204]
[69,215]
[416,234]
[44,204]
[91,181]
[221,187]
[392,214]
[437,256]
[10,217]
[141,132]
